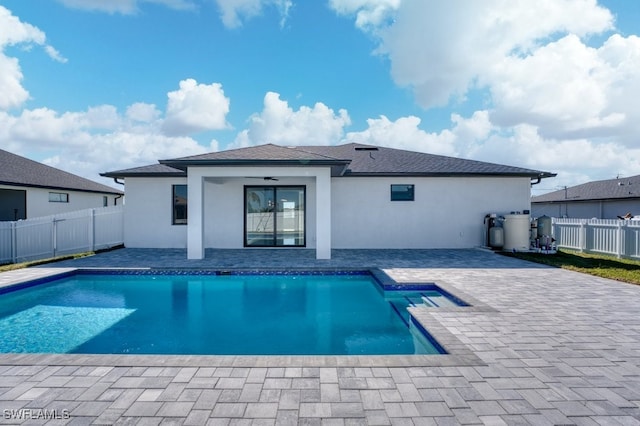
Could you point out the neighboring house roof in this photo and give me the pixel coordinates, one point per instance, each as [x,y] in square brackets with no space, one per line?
[610,189]
[346,160]
[20,171]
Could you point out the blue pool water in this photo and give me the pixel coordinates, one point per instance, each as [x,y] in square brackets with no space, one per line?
[211,314]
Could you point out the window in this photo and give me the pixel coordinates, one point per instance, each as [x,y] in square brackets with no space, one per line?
[402,192]
[58,197]
[179,202]
[105,201]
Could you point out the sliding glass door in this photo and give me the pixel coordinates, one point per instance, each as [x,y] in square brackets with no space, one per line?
[274,216]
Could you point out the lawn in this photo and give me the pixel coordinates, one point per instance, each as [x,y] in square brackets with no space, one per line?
[12,266]
[594,264]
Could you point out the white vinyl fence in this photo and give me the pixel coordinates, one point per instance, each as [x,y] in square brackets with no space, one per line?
[619,238]
[61,234]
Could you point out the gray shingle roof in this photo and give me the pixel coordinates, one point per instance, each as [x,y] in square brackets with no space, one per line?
[373,160]
[346,160]
[159,170]
[20,171]
[267,152]
[597,190]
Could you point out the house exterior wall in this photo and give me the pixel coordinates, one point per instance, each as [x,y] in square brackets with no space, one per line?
[587,209]
[446,213]
[224,209]
[148,215]
[38,203]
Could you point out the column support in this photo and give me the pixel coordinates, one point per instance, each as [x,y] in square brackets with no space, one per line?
[323,214]
[195,215]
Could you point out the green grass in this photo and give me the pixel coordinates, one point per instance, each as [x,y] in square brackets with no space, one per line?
[594,264]
[12,266]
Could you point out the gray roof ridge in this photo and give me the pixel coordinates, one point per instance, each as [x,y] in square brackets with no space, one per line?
[301,148]
[198,155]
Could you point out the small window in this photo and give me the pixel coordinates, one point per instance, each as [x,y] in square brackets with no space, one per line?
[105,201]
[402,192]
[179,205]
[58,197]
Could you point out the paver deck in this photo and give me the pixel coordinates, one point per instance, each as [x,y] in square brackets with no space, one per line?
[549,347]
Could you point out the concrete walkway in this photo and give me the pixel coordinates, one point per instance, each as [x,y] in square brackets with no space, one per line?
[547,346]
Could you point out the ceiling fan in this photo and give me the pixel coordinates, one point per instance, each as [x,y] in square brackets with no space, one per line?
[267,178]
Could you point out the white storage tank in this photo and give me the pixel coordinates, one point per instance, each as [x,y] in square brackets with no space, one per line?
[517,230]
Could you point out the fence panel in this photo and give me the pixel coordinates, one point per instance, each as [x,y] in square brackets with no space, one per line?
[6,242]
[607,236]
[67,233]
[33,239]
[109,228]
[72,234]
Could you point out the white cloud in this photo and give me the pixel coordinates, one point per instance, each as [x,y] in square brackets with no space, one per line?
[54,54]
[195,108]
[278,123]
[93,141]
[125,7]
[575,160]
[13,94]
[102,139]
[557,100]
[569,89]
[369,13]
[143,112]
[233,12]
[13,32]
[441,49]
[404,133]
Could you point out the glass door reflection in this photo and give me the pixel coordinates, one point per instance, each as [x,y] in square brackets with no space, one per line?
[274,216]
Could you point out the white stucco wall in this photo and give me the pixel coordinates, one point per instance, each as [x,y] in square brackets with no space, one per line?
[147,214]
[224,209]
[446,213]
[38,203]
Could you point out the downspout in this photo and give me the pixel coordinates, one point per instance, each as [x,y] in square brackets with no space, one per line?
[536,182]
[115,200]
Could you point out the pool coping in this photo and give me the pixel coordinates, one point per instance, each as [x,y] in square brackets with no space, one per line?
[458,354]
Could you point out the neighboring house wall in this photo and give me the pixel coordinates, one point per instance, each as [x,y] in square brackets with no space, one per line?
[587,209]
[446,213]
[362,214]
[38,204]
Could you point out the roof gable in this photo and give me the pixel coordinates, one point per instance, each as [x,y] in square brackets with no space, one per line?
[20,171]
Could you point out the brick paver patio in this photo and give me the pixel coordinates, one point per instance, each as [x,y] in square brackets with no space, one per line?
[540,346]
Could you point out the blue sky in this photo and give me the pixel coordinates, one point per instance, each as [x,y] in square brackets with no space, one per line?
[96,85]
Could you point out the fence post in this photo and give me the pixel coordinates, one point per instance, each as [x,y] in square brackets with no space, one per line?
[582,236]
[14,243]
[92,230]
[54,235]
[620,237]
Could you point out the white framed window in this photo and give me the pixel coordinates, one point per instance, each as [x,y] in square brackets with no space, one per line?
[58,197]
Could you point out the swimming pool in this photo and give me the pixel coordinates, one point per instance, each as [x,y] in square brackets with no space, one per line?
[213,313]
